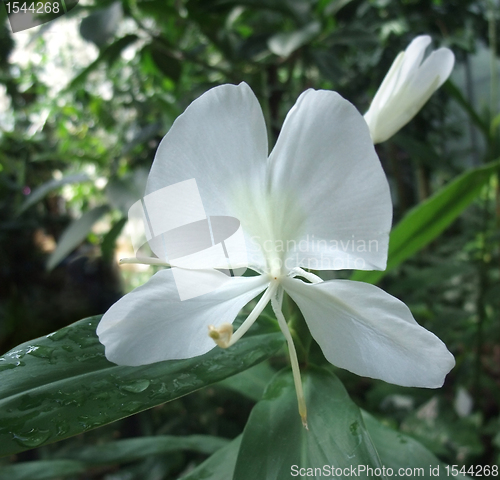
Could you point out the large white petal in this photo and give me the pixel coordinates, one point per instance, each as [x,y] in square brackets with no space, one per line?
[368,332]
[330,200]
[152,324]
[221,142]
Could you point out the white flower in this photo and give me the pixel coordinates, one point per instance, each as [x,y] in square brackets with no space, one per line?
[320,200]
[407,87]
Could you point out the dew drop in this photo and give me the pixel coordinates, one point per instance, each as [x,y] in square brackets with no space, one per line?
[62,429]
[131,407]
[136,387]
[87,356]
[27,402]
[41,351]
[33,438]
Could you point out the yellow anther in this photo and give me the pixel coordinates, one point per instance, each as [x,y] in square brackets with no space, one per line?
[221,335]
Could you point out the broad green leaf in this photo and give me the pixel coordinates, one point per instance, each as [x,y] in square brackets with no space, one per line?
[284,44]
[42,470]
[252,382]
[220,466]
[47,187]
[61,385]
[80,459]
[132,449]
[399,451]
[76,233]
[275,436]
[426,221]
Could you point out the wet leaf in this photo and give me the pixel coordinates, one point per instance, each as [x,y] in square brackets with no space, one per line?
[61,385]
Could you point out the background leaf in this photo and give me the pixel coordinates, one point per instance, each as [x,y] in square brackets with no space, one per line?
[220,466]
[47,187]
[76,233]
[397,450]
[41,470]
[427,220]
[110,54]
[79,459]
[252,382]
[284,44]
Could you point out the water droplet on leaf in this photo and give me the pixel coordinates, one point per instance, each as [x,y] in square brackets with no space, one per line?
[33,438]
[137,386]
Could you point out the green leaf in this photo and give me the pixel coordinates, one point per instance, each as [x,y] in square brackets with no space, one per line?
[109,54]
[123,192]
[252,382]
[41,470]
[108,244]
[426,221]
[398,450]
[132,449]
[220,466]
[80,459]
[168,65]
[275,436]
[284,44]
[456,93]
[47,187]
[61,385]
[76,232]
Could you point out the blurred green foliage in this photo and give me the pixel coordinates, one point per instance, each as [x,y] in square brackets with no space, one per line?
[86,144]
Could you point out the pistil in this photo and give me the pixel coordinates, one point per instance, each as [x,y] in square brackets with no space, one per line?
[293,360]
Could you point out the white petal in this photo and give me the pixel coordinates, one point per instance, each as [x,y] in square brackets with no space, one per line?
[434,71]
[385,90]
[368,332]
[413,56]
[152,324]
[330,200]
[221,142]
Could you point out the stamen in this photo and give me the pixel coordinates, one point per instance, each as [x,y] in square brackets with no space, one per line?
[299,272]
[220,334]
[144,261]
[293,360]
